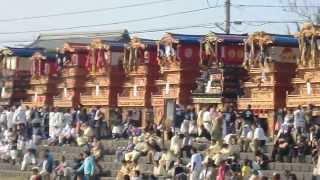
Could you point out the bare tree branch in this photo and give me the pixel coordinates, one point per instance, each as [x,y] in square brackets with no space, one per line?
[307,9]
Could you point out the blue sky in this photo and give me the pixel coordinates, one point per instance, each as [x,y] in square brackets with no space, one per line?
[21,8]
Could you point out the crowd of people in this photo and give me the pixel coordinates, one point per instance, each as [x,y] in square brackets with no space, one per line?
[22,129]
[196,145]
[203,145]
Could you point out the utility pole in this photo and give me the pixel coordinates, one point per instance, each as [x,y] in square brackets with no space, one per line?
[227,5]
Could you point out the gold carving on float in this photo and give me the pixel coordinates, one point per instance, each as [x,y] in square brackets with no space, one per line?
[308,76]
[5,52]
[309,45]
[98,44]
[209,50]
[167,50]
[98,57]
[67,48]
[256,50]
[134,54]
[37,65]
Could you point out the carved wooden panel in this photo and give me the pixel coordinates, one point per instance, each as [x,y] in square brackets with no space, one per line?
[173,78]
[158,101]
[140,81]
[130,102]
[308,76]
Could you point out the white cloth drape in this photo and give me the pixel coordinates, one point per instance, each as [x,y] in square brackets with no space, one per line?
[97,90]
[65,93]
[309,88]
[135,90]
[208,86]
[3,91]
[167,88]
[35,97]
[167,51]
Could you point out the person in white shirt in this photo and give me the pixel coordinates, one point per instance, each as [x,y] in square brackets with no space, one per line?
[207,121]
[185,126]
[299,120]
[200,116]
[28,114]
[52,123]
[67,118]
[28,158]
[60,121]
[9,115]
[3,119]
[21,144]
[207,172]
[289,117]
[195,165]
[259,137]
[19,116]
[98,118]
[176,144]
[67,134]
[186,145]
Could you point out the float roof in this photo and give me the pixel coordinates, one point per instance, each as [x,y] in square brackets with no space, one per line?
[56,40]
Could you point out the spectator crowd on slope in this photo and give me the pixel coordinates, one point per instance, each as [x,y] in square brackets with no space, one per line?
[196,145]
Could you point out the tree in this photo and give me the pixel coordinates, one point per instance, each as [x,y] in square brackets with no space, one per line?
[307,9]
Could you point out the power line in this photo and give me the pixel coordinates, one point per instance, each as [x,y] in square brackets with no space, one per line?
[205,25]
[268,21]
[273,6]
[212,25]
[85,11]
[111,23]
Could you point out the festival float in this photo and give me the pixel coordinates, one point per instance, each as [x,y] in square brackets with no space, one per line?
[105,75]
[270,61]
[220,70]
[140,68]
[306,83]
[77,55]
[15,74]
[42,86]
[71,60]
[178,58]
